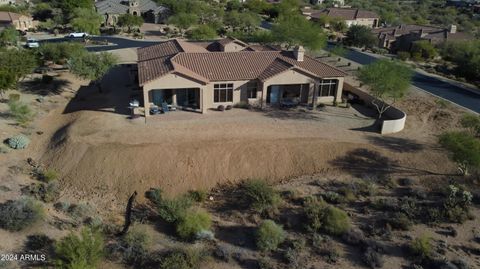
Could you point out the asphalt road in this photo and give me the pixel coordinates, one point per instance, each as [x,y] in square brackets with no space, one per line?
[431,84]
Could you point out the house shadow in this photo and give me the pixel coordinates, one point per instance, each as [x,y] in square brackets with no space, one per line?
[361,161]
[375,127]
[112,96]
[396,144]
[292,114]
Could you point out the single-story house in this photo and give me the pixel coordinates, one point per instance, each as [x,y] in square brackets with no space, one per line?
[148,9]
[402,37]
[18,21]
[190,76]
[351,16]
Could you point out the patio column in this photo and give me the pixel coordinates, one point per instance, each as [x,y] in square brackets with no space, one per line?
[146,101]
[202,105]
[315,95]
[263,100]
[174,98]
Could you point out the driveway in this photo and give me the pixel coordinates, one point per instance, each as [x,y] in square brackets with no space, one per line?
[429,83]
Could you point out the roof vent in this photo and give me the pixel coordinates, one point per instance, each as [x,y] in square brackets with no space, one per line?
[299,52]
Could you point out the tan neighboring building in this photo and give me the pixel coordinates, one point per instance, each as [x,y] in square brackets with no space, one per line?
[18,21]
[192,77]
[351,16]
[149,10]
[402,37]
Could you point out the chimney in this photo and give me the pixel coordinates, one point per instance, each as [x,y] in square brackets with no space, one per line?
[452,29]
[299,52]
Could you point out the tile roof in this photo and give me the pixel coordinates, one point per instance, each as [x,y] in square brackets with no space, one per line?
[119,6]
[194,61]
[345,13]
[428,32]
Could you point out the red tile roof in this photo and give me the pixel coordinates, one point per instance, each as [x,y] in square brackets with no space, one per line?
[182,58]
[345,13]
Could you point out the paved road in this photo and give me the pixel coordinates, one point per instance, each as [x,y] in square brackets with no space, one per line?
[431,84]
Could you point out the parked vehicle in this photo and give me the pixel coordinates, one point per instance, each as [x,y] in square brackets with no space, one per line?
[32,43]
[77,35]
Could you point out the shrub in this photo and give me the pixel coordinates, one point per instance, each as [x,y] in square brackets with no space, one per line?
[170,210]
[260,195]
[192,223]
[403,55]
[39,242]
[18,142]
[354,237]
[183,259]
[80,212]
[471,122]
[332,197]
[46,192]
[372,258]
[365,188]
[14,97]
[421,247]
[198,196]
[464,149]
[348,194]
[136,243]
[80,251]
[20,112]
[48,175]
[243,105]
[20,214]
[221,108]
[399,221]
[457,204]
[269,236]
[322,216]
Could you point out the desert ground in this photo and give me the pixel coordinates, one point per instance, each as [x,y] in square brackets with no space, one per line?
[102,156]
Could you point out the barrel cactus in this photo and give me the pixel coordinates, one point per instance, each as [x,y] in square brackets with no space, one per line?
[18,142]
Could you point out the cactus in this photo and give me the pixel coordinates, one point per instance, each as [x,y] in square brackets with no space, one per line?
[18,142]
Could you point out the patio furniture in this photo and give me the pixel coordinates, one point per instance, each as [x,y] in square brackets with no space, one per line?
[154,110]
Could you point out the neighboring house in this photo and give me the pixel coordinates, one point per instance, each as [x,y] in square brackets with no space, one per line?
[14,2]
[351,16]
[148,9]
[190,76]
[18,21]
[335,2]
[402,37]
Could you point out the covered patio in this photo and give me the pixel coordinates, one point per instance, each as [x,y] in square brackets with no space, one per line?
[287,94]
[183,98]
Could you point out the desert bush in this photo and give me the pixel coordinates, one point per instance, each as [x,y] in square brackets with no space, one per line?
[365,188]
[80,251]
[20,214]
[372,258]
[421,247]
[457,204]
[199,196]
[399,221]
[14,97]
[332,197]
[79,212]
[260,195]
[293,253]
[183,259]
[170,210]
[322,216]
[37,242]
[20,112]
[269,236]
[18,142]
[47,192]
[243,105]
[472,123]
[403,55]
[354,237]
[135,246]
[348,194]
[192,223]
[48,175]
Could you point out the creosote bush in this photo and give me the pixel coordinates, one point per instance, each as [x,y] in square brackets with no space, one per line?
[48,175]
[20,112]
[327,218]
[260,195]
[18,142]
[135,245]
[170,210]
[269,236]
[80,251]
[193,223]
[20,214]
[421,247]
[189,258]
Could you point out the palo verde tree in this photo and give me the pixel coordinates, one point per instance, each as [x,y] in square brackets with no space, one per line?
[18,63]
[389,81]
[7,81]
[183,21]
[129,21]
[86,20]
[296,30]
[9,36]
[464,149]
[92,66]
[360,36]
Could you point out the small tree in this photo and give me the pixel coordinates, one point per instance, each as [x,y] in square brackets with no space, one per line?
[9,36]
[183,21]
[464,149]
[389,81]
[84,251]
[129,21]
[86,20]
[92,66]
[7,81]
[202,32]
[360,36]
[18,63]
[296,30]
[424,49]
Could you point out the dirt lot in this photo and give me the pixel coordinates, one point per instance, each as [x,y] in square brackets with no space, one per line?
[102,156]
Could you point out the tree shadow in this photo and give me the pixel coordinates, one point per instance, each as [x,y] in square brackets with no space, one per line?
[37,86]
[240,236]
[114,96]
[292,114]
[361,161]
[396,143]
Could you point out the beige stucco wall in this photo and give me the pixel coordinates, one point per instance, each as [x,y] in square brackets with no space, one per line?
[370,22]
[177,81]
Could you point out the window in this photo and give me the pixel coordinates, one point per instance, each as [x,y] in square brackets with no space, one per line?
[252,89]
[327,87]
[223,93]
